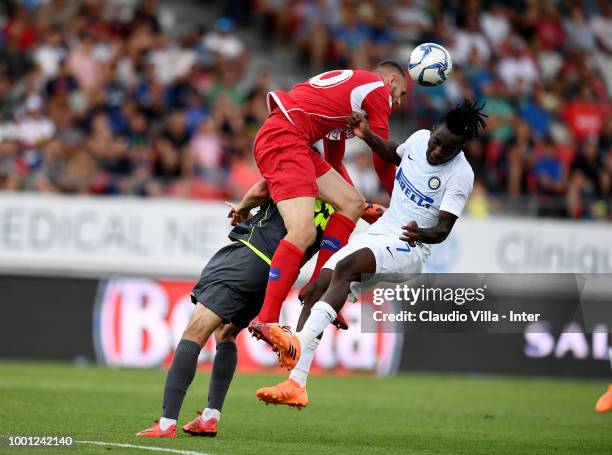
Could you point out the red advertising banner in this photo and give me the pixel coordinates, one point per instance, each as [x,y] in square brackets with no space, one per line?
[138,323]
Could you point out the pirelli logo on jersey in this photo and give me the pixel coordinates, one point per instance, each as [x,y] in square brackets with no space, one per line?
[411,192]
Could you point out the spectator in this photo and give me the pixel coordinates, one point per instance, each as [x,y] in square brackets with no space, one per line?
[35,128]
[495,24]
[83,64]
[105,100]
[548,171]
[468,40]
[577,29]
[601,27]
[222,42]
[548,27]
[583,115]
[586,181]
[409,21]
[49,55]
[516,69]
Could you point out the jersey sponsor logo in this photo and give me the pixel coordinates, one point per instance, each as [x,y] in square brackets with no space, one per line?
[406,249]
[335,135]
[330,243]
[411,192]
[434,183]
[274,274]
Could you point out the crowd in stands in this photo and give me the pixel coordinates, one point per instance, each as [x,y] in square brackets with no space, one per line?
[112,97]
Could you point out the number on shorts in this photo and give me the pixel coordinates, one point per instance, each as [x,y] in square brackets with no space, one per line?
[324,80]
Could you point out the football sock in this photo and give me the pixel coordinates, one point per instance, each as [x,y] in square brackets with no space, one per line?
[321,315]
[165,423]
[283,273]
[224,366]
[211,414]
[610,356]
[335,236]
[300,373]
[179,377]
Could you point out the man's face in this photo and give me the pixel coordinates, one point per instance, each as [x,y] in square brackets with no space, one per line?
[443,145]
[397,87]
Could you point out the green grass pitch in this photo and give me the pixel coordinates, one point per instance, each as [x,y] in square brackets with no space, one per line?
[417,413]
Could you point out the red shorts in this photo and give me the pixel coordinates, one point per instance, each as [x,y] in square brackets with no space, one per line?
[286,160]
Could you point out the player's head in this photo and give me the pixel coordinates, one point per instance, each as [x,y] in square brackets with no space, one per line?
[453,131]
[394,77]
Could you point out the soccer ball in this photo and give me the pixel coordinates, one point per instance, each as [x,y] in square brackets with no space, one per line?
[429,64]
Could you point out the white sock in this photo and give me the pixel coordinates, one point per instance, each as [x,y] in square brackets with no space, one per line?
[610,356]
[211,414]
[321,315]
[300,373]
[165,423]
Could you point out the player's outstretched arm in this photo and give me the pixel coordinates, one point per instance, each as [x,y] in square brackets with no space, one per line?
[256,196]
[436,234]
[385,149]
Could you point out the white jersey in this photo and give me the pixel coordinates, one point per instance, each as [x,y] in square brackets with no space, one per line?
[421,190]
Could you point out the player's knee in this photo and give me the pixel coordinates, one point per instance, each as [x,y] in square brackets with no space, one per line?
[200,327]
[345,271]
[353,205]
[195,332]
[226,338]
[226,333]
[302,234]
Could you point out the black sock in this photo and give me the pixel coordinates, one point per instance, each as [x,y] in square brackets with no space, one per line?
[179,377]
[224,366]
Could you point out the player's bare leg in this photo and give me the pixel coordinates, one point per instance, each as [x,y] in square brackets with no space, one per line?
[224,365]
[325,310]
[296,213]
[301,233]
[350,206]
[292,392]
[182,371]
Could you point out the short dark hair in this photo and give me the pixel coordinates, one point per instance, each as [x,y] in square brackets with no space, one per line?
[392,65]
[465,120]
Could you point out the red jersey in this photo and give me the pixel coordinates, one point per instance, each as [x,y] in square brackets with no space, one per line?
[319,108]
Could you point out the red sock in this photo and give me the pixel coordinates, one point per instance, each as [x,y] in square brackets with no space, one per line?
[335,236]
[283,273]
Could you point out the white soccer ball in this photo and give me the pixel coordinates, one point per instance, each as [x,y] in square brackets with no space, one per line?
[429,64]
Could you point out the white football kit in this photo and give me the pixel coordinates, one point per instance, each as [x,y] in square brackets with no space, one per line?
[420,191]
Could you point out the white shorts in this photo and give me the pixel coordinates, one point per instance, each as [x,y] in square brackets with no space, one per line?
[396,261]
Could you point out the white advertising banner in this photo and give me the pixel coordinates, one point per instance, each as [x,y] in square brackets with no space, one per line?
[521,245]
[167,237]
[175,238]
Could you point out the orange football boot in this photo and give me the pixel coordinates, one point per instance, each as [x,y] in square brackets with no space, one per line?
[156,432]
[286,345]
[261,330]
[604,404]
[372,212]
[201,427]
[289,393]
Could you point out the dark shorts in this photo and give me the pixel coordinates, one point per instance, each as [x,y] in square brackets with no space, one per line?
[233,284]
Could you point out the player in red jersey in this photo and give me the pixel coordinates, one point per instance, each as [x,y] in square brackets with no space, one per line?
[314,110]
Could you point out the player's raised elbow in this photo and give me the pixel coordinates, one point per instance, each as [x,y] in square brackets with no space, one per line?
[441,234]
[261,189]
